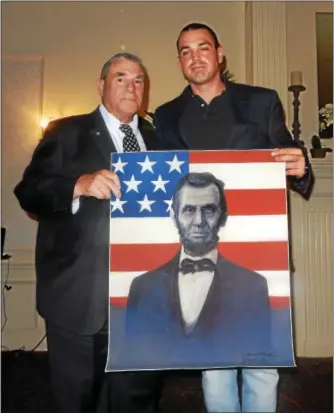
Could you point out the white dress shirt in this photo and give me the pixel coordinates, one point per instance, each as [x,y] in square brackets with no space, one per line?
[117,136]
[194,288]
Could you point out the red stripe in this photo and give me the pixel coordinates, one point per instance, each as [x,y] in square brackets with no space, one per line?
[230,156]
[260,256]
[256,201]
[276,303]
[118,302]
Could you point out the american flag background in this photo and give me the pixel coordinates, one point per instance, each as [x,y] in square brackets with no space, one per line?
[143,235]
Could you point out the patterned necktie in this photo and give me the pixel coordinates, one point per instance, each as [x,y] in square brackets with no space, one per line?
[130,143]
[191,266]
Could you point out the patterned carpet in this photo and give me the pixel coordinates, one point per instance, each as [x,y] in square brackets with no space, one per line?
[307,389]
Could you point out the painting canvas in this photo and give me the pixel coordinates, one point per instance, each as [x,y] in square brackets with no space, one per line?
[199,262]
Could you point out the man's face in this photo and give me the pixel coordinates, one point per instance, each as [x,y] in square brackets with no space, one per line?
[197,218]
[199,59]
[122,90]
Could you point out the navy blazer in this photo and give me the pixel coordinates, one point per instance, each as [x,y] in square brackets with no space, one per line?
[234,325]
[258,124]
[72,251]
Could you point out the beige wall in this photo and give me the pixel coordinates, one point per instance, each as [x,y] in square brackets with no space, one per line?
[76,38]
[302,55]
[324,26]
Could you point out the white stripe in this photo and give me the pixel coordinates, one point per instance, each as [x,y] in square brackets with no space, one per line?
[278,283]
[266,175]
[163,231]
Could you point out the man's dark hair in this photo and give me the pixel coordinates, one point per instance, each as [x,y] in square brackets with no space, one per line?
[198,26]
[202,180]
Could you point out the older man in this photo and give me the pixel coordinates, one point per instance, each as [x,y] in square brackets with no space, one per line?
[68,184]
[187,307]
[213,113]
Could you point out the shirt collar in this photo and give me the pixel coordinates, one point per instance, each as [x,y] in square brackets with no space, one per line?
[190,94]
[211,255]
[114,122]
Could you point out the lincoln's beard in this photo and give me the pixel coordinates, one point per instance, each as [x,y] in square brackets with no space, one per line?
[201,247]
[197,249]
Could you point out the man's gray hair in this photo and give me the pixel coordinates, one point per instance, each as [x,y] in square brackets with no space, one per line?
[118,56]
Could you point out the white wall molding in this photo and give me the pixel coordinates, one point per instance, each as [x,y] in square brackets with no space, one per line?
[266,46]
[24,327]
[24,257]
[302,56]
[312,246]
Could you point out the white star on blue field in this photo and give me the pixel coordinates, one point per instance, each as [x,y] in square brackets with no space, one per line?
[148,181]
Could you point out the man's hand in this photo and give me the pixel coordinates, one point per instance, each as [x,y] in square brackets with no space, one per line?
[99,185]
[294,161]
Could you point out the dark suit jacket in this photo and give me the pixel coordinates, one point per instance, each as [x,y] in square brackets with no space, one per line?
[259,124]
[72,251]
[234,324]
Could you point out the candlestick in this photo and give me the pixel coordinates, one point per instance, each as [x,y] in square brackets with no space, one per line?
[296,78]
[296,90]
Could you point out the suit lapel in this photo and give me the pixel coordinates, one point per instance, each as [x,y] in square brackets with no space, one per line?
[217,301]
[174,296]
[180,126]
[104,143]
[147,132]
[242,131]
[172,287]
[212,304]
[239,103]
[101,136]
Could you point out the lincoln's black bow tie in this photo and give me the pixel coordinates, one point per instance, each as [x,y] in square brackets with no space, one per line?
[190,266]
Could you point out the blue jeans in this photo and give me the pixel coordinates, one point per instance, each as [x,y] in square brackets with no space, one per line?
[259,390]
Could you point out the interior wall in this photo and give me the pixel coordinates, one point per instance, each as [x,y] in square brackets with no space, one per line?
[76,38]
[302,56]
[21,80]
[324,26]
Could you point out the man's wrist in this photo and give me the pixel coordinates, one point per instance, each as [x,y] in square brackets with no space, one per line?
[77,189]
[306,170]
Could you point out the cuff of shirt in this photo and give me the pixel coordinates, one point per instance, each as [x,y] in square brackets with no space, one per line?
[75,205]
[302,184]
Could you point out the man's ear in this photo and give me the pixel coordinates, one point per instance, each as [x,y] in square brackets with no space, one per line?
[100,86]
[179,62]
[220,54]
